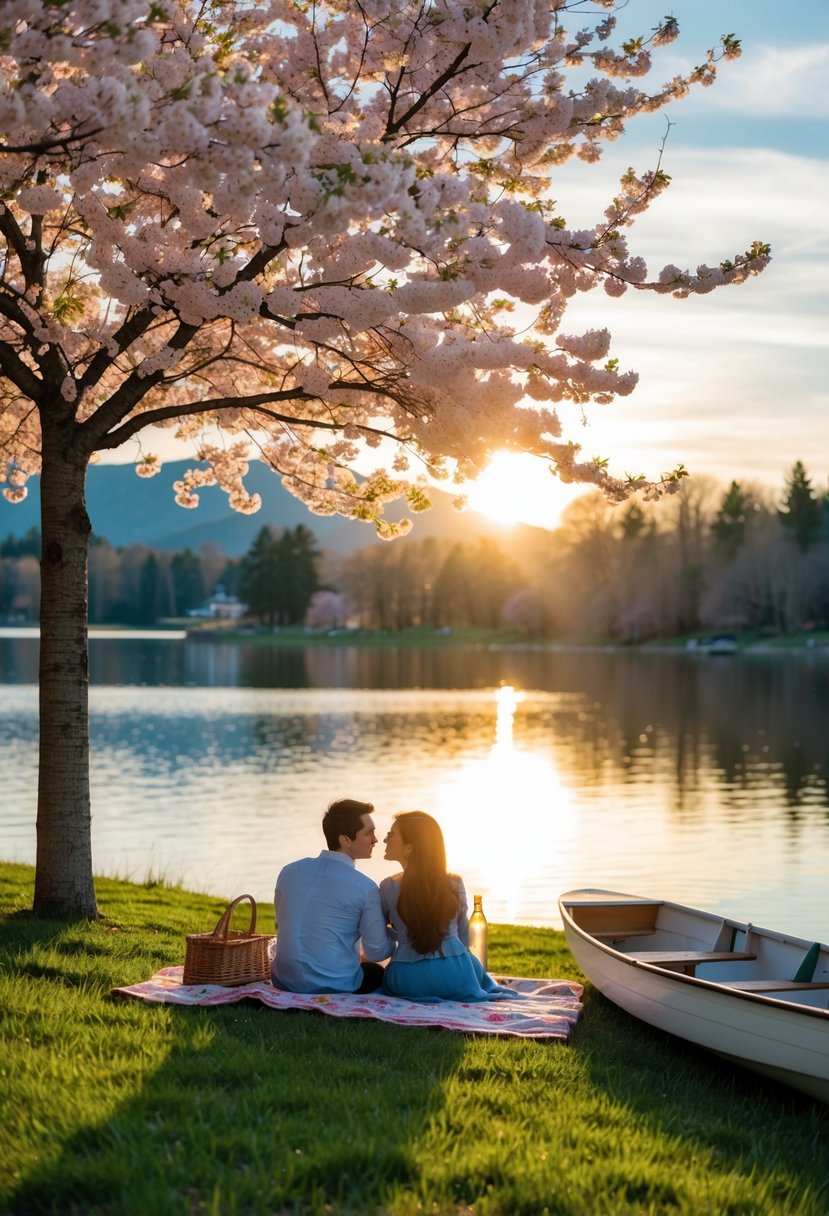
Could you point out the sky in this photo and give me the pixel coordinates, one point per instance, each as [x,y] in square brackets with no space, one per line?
[732,384]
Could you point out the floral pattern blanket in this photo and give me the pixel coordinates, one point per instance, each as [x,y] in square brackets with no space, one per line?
[542,1009]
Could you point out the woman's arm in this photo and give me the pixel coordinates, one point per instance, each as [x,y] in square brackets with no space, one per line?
[463,910]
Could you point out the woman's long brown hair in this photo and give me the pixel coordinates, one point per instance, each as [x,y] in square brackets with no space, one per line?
[427,900]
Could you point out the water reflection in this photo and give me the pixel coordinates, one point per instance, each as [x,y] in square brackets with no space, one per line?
[507,816]
[704,781]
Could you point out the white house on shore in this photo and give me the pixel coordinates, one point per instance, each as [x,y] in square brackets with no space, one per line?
[220,606]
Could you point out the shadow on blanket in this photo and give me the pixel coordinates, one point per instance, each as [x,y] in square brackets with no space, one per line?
[543,1009]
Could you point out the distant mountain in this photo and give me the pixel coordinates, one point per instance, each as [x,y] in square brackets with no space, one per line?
[126,509]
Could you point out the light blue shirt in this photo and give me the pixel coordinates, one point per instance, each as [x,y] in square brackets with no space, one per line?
[324,907]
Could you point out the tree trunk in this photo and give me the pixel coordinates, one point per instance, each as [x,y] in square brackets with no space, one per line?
[63,881]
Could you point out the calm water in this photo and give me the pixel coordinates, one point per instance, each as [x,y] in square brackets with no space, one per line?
[698,779]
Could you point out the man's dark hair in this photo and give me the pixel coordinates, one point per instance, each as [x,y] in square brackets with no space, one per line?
[343,819]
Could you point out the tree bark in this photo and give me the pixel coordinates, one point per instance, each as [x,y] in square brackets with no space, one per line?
[64,885]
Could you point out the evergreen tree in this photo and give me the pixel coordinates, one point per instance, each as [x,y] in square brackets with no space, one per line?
[259,577]
[278,575]
[453,594]
[802,512]
[147,608]
[635,523]
[297,557]
[188,588]
[729,526]
[21,546]
[230,576]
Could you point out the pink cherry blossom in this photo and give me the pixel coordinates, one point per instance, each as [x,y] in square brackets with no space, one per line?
[312,224]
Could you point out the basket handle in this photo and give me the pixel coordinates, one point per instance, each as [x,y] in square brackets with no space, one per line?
[221,929]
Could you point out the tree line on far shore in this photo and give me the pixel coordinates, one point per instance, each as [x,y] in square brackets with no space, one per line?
[706,558]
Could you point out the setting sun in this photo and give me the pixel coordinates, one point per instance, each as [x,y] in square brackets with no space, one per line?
[521,489]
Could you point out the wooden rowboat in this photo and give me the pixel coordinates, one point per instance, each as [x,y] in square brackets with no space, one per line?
[757,997]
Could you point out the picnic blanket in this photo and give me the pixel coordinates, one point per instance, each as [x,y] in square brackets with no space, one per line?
[546,1009]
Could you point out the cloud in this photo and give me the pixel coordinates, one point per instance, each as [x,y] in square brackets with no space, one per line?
[776,82]
[732,383]
[720,199]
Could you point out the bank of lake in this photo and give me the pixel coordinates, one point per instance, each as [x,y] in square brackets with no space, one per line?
[427,637]
[115,1108]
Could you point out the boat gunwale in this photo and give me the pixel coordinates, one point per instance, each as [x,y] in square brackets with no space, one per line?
[760,998]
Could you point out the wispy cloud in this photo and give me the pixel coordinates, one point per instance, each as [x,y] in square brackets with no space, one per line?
[731,383]
[775,82]
[719,200]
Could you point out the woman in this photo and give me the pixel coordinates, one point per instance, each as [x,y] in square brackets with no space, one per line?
[427,910]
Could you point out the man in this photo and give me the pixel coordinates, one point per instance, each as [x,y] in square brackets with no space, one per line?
[325,908]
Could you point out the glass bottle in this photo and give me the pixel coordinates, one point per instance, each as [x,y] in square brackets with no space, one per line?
[477,931]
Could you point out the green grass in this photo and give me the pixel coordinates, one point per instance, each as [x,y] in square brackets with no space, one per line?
[415,638]
[427,638]
[112,1107]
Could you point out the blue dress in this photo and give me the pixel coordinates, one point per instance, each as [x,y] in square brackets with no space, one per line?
[448,974]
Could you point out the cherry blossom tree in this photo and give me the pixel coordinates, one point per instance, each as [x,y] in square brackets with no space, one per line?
[526,612]
[327,610]
[296,229]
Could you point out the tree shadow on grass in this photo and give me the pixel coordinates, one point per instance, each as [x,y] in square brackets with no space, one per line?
[253,1110]
[246,1110]
[127,1108]
[746,1125]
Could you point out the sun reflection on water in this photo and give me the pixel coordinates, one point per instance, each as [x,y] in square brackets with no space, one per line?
[482,805]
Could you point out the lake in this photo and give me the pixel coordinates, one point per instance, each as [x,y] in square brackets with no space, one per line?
[694,778]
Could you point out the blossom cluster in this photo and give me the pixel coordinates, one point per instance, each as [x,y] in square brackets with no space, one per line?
[310,224]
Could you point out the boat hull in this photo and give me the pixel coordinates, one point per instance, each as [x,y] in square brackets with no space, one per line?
[778,1038]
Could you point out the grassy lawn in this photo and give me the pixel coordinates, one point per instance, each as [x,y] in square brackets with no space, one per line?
[113,1107]
[416,638]
[427,638]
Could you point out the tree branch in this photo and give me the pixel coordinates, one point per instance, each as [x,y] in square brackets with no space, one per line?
[10,308]
[132,328]
[256,404]
[138,324]
[12,233]
[128,395]
[393,128]
[21,376]
[13,435]
[46,145]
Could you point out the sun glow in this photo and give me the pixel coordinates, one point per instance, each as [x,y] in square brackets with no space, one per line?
[520,489]
[503,811]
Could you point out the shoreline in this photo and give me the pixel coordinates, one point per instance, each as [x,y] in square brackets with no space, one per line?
[811,645]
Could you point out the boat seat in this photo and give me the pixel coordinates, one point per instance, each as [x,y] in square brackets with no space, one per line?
[687,961]
[774,985]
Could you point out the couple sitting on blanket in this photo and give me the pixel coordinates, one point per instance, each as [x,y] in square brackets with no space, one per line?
[329,915]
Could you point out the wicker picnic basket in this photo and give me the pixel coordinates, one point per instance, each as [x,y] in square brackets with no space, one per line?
[228,956]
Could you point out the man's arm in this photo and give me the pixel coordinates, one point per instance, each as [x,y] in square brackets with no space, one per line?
[377,942]
[277,894]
